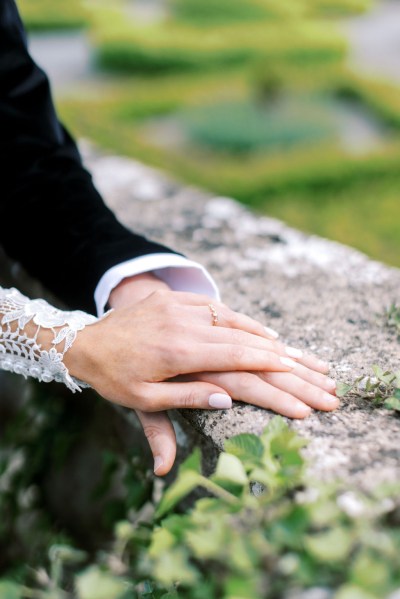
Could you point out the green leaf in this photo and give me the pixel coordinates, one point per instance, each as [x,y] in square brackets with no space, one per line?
[173,566]
[241,587]
[189,477]
[392,403]
[93,583]
[10,590]
[343,389]
[246,447]
[192,462]
[184,484]
[385,376]
[66,554]
[350,591]
[370,572]
[162,540]
[331,546]
[230,469]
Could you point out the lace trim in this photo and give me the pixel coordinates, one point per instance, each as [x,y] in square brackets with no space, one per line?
[22,353]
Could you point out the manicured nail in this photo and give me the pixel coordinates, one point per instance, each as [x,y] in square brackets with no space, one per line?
[304,411]
[288,362]
[220,401]
[293,352]
[330,383]
[271,333]
[158,462]
[323,364]
[330,398]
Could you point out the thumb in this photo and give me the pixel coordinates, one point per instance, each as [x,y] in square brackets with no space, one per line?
[161,437]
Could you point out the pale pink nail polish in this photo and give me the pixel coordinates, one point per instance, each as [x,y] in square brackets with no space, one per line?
[330,398]
[293,352]
[271,333]
[220,401]
[303,411]
[288,362]
[331,383]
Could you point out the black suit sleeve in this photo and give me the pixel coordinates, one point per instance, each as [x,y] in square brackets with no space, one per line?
[53,220]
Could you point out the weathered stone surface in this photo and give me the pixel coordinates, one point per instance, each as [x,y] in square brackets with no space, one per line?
[320,295]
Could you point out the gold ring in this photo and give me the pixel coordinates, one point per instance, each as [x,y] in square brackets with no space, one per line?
[214,315]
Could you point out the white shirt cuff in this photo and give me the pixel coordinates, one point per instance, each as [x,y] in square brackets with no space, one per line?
[178,272]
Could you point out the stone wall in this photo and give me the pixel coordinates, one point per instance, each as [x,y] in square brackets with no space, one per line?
[320,295]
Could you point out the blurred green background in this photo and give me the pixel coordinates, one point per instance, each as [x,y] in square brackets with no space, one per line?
[276,103]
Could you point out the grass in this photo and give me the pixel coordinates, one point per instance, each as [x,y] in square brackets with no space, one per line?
[44,15]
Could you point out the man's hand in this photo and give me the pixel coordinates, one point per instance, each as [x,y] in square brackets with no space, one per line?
[237,359]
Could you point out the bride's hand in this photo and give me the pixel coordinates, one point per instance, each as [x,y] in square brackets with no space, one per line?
[128,356]
[289,393]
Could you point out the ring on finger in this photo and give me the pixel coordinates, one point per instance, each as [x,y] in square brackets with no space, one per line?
[214,315]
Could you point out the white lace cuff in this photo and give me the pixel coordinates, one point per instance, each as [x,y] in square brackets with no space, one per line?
[20,348]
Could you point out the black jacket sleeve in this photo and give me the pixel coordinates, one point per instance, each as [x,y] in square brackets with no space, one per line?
[53,220]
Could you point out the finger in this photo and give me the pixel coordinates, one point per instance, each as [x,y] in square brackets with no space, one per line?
[226,316]
[239,337]
[226,357]
[313,363]
[315,378]
[310,394]
[191,395]
[252,389]
[161,437]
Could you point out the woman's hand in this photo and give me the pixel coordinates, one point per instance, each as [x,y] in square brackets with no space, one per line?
[291,393]
[128,356]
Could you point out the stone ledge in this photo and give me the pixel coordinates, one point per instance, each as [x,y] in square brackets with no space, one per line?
[320,295]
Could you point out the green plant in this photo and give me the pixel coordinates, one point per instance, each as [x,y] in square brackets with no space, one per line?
[393,317]
[263,531]
[382,389]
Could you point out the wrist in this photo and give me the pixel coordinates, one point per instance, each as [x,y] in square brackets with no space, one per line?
[134,289]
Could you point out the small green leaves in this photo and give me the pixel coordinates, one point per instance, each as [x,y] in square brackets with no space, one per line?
[10,590]
[230,469]
[93,583]
[342,389]
[333,545]
[393,403]
[382,389]
[248,448]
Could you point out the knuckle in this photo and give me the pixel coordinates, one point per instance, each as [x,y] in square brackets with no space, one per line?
[236,354]
[246,382]
[236,337]
[189,400]
[152,431]
[303,388]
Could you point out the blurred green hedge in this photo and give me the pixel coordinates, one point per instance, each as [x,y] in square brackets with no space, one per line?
[126,47]
[53,14]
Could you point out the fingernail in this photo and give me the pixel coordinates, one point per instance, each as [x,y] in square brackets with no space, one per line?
[330,398]
[330,383]
[293,352]
[323,364]
[304,411]
[288,362]
[158,462]
[271,333]
[220,400]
